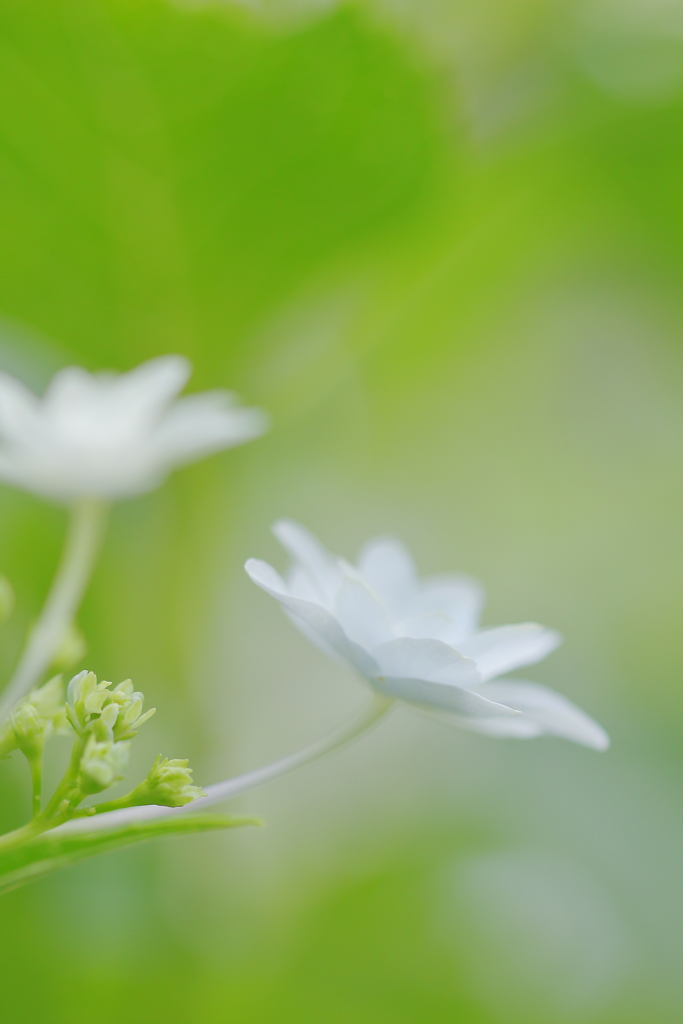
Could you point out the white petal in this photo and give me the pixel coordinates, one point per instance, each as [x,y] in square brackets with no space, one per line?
[389,569]
[108,409]
[153,384]
[361,615]
[430,660]
[459,597]
[150,386]
[517,727]
[548,711]
[436,625]
[497,651]
[301,585]
[267,578]
[441,697]
[314,621]
[18,409]
[305,548]
[200,424]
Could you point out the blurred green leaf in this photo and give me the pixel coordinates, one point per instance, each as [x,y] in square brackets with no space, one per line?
[52,851]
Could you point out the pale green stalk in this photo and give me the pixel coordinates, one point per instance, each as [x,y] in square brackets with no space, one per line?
[230,788]
[86,529]
[60,808]
[36,766]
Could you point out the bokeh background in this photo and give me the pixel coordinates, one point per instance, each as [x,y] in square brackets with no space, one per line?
[442,242]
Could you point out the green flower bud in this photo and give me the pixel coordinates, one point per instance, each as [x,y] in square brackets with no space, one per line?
[102,764]
[130,716]
[120,709]
[169,783]
[85,697]
[48,700]
[35,719]
[30,730]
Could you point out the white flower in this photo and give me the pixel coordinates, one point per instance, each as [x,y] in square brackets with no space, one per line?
[111,435]
[418,640]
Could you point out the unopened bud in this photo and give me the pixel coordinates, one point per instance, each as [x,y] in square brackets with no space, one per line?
[120,709]
[169,784]
[37,717]
[102,764]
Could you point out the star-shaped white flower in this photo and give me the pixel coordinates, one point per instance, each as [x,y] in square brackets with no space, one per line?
[112,435]
[418,641]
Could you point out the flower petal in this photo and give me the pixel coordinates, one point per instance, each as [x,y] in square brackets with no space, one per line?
[439,696]
[458,597]
[361,615]
[197,425]
[18,409]
[145,391]
[301,585]
[436,625]
[517,727]
[314,621]
[109,410]
[389,569]
[430,660]
[498,651]
[153,384]
[305,548]
[549,712]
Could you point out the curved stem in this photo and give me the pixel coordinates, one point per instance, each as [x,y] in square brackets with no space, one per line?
[229,788]
[82,544]
[21,835]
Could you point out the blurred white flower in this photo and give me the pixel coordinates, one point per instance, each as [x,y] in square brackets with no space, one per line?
[111,435]
[418,640]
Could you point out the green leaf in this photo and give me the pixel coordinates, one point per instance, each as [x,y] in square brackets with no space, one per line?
[52,851]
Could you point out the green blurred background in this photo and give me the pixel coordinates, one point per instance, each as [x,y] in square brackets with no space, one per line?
[442,242]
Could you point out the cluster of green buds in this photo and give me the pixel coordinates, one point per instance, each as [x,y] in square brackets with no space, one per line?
[168,784]
[105,718]
[118,711]
[39,715]
[35,719]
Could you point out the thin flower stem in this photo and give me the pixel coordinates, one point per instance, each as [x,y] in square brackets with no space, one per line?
[21,835]
[59,809]
[82,544]
[229,788]
[36,766]
[67,796]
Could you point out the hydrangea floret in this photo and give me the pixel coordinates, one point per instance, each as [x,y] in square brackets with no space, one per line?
[111,435]
[419,641]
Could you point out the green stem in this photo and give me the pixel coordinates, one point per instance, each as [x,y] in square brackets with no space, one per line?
[82,544]
[108,805]
[23,834]
[67,792]
[61,807]
[377,709]
[36,766]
